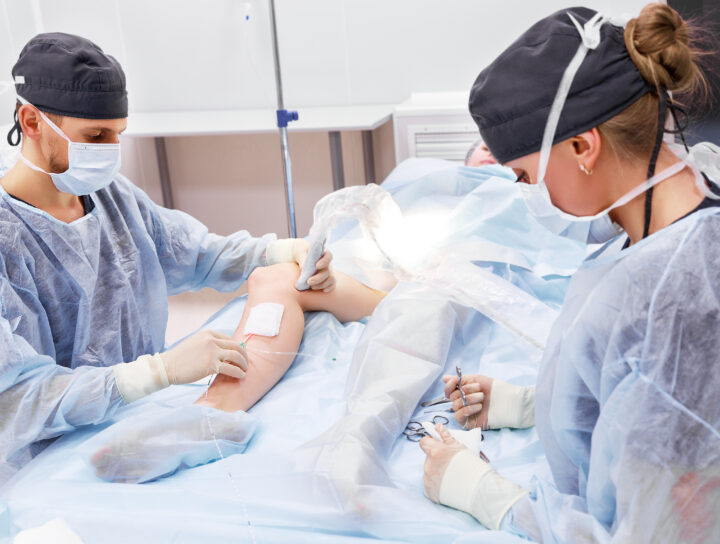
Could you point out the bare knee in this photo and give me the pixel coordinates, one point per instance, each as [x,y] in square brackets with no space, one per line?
[277,278]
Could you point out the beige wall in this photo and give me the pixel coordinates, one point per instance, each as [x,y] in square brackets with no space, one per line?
[235,182]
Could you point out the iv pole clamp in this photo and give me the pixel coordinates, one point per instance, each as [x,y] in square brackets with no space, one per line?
[283,118]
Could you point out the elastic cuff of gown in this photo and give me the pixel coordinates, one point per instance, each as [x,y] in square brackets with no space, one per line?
[280,251]
[140,377]
[520,520]
[522,493]
[511,406]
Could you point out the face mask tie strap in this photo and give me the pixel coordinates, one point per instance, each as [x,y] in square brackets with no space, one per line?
[662,111]
[13,137]
[46,119]
[590,36]
[705,157]
[701,179]
[679,129]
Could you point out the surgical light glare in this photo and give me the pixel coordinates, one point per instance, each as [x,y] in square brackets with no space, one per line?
[410,240]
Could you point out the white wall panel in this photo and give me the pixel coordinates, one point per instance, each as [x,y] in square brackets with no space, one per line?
[190,54]
[17,26]
[94,19]
[313,57]
[404,46]
[178,54]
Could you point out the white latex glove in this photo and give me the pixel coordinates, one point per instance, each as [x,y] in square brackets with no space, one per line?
[294,250]
[456,477]
[202,354]
[205,353]
[491,403]
[471,439]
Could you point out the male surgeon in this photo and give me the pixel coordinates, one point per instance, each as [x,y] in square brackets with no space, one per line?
[87,260]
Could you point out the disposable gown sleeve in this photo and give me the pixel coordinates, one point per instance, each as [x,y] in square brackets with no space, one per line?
[657,500]
[40,399]
[652,473]
[192,257]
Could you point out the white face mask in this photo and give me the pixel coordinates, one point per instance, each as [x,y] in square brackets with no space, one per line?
[600,226]
[91,167]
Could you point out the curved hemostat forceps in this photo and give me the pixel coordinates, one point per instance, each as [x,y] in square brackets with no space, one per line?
[462,396]
[459,386]
[444,399]
[415,430]
[436,401]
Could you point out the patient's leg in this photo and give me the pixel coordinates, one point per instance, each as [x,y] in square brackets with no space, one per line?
[349,301]
[140,453]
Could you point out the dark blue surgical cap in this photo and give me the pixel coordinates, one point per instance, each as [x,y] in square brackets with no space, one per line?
[511,98]
[69,75]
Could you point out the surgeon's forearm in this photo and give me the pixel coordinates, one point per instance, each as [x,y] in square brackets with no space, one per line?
[226,262]
[55,402]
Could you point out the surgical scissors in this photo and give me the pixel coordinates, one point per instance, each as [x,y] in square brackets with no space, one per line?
[415,430]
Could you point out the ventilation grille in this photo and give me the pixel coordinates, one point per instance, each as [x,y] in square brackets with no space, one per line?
[437,142]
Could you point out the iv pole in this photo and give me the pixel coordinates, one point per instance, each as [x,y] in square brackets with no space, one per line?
[283,118]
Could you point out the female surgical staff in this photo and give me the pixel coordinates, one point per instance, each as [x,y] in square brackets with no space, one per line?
[87,260]
[627,402]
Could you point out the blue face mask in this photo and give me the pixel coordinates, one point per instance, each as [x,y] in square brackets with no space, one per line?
[91,167]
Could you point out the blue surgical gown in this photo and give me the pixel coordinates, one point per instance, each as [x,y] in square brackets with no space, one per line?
[77,298]
[628,396]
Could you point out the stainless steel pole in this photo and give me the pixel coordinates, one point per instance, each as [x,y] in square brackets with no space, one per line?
[283,117]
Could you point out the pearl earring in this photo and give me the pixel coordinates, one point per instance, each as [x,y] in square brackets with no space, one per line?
[587,172]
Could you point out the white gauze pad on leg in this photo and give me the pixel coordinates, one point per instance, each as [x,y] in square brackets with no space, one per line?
[264,319]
